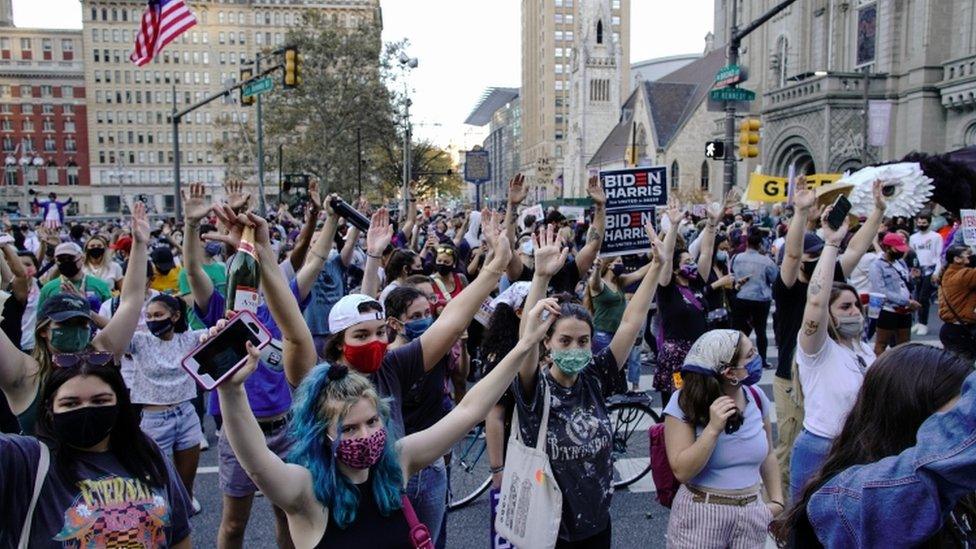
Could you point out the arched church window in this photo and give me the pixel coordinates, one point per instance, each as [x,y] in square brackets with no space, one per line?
[599,32]
[675,174]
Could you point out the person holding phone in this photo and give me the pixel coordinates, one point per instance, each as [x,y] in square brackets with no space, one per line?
[831,360]
[343,483]
[64,323]
[889,276]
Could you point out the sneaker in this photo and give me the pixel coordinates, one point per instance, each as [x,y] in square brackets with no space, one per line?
[922,330]
[195,505]
[204,444]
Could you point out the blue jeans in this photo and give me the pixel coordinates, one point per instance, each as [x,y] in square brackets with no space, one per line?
[174,429]
[427,491]
[634,365]
[809,453]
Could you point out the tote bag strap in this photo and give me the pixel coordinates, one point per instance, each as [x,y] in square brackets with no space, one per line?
[44,461]
[419,533]
[543,426]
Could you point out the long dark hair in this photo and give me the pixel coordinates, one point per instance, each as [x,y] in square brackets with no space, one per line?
[131,447]
[699,391]
[501,335]
[903,388]
[175,305]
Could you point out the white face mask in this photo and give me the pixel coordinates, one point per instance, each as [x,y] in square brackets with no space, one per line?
[849,327]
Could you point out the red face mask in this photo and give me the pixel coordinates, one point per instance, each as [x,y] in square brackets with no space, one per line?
[366,358]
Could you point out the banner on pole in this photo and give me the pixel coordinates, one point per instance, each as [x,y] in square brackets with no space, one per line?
[768,188]
[631,199]
[879,122]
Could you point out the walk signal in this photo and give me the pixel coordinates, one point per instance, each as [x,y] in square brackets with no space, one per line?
[715,150]
[293,68]
[749,138]
[246,101]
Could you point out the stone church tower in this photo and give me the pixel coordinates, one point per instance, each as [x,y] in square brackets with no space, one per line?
[6,13]
[594,97]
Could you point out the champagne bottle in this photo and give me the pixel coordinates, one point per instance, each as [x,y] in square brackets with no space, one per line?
[352,215]
[244,277]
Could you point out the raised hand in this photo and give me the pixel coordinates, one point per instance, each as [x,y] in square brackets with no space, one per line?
[236,197]
[230,220]
[380,232]
[804,199]
[657,246]
[880,202]
[140,223]
[362,205]
[315,199]
[549,258]
[538,322]
[517,190]
[490,227]
[262,236]
[195,205]
[832,236]
[595,190]
[674,213]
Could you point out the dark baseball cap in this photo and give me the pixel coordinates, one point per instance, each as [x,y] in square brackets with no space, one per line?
[812,243]
[162,258]
[64,306]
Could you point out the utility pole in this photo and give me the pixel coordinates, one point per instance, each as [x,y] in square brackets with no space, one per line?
[406,158]
[177,197]
[262,207]
[359,162]
[735,42]
[280,168]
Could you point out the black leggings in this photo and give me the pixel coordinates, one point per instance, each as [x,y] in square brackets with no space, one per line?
[596,541]
[749,316]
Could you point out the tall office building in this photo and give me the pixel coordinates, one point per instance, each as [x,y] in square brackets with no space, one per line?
[129,106]
[551,31]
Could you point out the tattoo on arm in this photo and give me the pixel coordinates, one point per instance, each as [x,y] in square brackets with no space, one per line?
[592,235]
[810,327]
[815,287]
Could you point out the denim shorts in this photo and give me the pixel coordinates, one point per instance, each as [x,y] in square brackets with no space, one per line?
[233,480]
[174,429]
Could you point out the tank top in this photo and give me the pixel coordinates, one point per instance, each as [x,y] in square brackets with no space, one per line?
[370,529]
[28,418]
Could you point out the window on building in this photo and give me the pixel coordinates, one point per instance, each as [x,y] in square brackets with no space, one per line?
[49,144]
[47,90]
[7,125]
[48,125]
[675,174]
[72,173]
[25,44]
[8,144]
[559,36]
[5,108]
[67,91]
[569,36]
[28,125]
[4,43]
[68,108]
[26,91]
[599,32]
[867,34]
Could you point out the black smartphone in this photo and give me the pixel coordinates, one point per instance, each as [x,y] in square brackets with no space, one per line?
[842,207]
[220,356]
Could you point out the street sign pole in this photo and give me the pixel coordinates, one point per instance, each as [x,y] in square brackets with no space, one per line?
[729,162]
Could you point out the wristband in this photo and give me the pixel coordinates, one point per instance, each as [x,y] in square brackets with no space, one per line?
[832,245]
[778,503]
[496,470]
[374,256]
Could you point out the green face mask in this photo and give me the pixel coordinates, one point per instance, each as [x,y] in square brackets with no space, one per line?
[70,339]
[572,361]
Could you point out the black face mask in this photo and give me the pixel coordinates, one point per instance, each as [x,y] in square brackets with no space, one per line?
[445,270]
[808,267]
[895,256]
[159,328]
[68,268]
[96,252]
[85,427]
[417,272]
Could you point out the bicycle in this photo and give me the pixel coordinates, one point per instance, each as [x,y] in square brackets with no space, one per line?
[631,415]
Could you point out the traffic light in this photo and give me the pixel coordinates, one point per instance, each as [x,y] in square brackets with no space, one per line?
[749,138]
[293,68]
[246,75]
[715,150]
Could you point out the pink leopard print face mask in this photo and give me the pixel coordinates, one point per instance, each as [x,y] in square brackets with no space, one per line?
[364,452]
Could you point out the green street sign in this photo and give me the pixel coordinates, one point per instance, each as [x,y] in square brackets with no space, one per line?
[730,74]
[259,86]
[732,94]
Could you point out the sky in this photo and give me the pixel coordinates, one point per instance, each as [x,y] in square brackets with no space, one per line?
[464,47]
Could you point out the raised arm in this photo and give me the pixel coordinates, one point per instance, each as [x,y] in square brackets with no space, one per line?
[319,253]
[21,282]
[439,338]
[816,314]
[378,237]
[636,312]
[117,334]
[423,448]
[864,237]
[594,236]
[517,191]
[714,213]
[595,283]
[299,252]
[195,208]
[549,258]
[804,201]
[670,240]
[286,485]
[411,220]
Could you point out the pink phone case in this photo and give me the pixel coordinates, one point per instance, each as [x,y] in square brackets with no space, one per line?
[245,315]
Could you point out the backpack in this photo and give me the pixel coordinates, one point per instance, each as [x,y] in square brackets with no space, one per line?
[665,483]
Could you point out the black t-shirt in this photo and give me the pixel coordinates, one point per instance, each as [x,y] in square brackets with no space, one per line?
[370,529]
[682,319]
[790,303]
[426,402]
[11,323]
[578,442]
[563,281]
[401,367]
[107,507]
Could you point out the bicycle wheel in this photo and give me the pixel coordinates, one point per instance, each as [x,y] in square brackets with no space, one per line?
[468,471]
[630,422]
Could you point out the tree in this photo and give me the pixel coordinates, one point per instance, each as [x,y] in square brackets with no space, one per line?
[343,89]
[432,169]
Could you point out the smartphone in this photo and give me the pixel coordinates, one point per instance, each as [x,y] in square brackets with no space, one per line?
[216,359]
[842,207]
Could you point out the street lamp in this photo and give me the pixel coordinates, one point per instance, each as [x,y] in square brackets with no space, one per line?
[407,63]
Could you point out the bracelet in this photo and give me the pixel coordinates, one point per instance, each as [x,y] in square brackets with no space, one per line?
[832,245]
[496,470]
[778,503]
[374,256]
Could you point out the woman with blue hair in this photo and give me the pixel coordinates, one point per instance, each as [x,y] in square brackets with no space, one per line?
[344,481]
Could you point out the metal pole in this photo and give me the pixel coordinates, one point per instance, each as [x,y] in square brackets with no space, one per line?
[865,158]
[406,159]
[730,105]
[177,197]
[359,162]
[262,207]
[280,168]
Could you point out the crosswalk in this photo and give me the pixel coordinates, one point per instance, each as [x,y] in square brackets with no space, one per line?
[646,484]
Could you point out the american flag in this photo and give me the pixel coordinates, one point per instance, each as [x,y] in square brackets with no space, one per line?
[162,22]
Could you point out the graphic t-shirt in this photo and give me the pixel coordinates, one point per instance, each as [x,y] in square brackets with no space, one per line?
[578,442]
[105,508]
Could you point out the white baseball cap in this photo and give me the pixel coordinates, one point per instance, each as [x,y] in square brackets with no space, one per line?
[68,248]
[345,312]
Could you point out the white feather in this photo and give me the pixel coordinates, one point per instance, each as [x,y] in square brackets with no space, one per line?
[908,189]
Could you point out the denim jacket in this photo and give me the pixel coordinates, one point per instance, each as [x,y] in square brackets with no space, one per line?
[902,500]
[761,272]
[890,279]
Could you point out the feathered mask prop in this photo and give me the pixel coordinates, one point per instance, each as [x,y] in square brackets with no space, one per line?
[905,186]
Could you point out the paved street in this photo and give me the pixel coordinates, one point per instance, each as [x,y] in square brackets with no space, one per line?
[638,520]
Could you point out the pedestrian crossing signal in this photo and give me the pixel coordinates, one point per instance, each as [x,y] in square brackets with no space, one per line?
[715,150]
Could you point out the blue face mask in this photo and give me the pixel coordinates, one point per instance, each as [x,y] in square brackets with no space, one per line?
[721,256]
[416,328]
[754,367]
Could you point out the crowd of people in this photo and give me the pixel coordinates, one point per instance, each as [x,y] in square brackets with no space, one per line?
[396,342]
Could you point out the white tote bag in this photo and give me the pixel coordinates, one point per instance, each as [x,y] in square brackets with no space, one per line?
[531,504]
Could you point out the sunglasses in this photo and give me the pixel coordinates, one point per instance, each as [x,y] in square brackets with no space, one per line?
[73,360]
[449,251]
